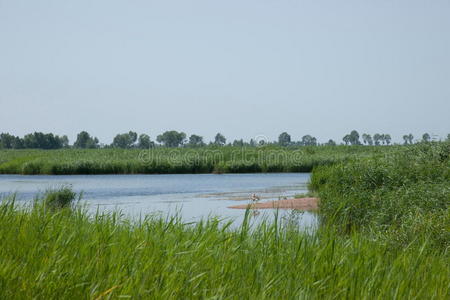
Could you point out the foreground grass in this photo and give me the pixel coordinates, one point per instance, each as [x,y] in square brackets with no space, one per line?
[180,160]
[65,254]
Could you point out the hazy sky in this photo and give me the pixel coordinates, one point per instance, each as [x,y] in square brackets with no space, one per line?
[244,68]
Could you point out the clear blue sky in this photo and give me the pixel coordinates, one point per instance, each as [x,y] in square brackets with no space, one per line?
[243,68]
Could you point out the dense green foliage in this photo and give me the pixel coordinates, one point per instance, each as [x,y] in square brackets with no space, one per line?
[173,138]
[65,254]
[402,197]
[37,140]
[227,159]
[64,197]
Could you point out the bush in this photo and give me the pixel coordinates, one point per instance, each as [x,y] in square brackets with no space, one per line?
[400,193]
[63,197]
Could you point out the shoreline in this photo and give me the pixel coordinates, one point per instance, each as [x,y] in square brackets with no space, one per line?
[306,204]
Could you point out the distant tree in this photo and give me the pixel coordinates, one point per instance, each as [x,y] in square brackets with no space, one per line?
[252,143]
[410,138]
[308,140]
[64,141]
[125,140]
[196,141]
[405,139]
[219,139]
[331,143]
[426,137]
[6,140]
[238,143]
[39,140]
[377,138]
[367,139]
[84,140]
[17,143]
[354,138]
[448,137]
[346,139]
[171,138]
[144,141]
[284,139]
[387,139]
[36,140]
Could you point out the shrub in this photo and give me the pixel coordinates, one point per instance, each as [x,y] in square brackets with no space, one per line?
[63,197]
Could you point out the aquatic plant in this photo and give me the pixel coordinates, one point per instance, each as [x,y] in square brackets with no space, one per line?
[58,198]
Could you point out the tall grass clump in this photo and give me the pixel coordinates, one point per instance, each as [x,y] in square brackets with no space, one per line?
[104,256]
[403,197]
[58,198]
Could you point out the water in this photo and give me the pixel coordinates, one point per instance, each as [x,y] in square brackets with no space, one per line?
[194,196]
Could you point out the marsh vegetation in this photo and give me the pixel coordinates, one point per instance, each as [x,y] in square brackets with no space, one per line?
[384,234]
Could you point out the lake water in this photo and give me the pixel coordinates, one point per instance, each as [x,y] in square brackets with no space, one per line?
[193,196]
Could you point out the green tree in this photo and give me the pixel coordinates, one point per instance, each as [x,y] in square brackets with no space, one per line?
[84,140]
[144,141]
[125,140]
[171,138]
[377,138]
[354,138]
[405,139]
[387,139]
[64,141]
[367,139]
[39,140]
[196,141]
[6,140]
[331,143]
[220,140]
[308,140]
[284,139]
[426,137]
[346,139]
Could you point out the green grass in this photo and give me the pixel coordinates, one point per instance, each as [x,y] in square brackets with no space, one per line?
[60,198]
[65,254]
[400,198]
[180,160]
[384,234]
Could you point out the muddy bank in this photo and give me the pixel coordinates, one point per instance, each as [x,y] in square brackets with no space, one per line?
[308,204]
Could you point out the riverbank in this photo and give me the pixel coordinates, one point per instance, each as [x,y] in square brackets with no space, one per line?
[305,204]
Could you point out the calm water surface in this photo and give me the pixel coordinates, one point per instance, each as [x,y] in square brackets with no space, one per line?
[194,196]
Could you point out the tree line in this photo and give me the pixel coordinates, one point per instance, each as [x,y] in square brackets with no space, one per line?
[172,138]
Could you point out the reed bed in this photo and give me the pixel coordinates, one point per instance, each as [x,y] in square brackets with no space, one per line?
[400,198]
[160,160]
[68,254]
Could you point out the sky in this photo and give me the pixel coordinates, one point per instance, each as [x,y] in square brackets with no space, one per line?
[243,68]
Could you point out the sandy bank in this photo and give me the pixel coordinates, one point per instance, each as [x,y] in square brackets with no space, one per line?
[299,203]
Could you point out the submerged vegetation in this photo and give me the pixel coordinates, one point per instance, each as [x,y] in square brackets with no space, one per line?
[211,159]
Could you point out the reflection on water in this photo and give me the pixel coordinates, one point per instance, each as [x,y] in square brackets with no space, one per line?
[193,196]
